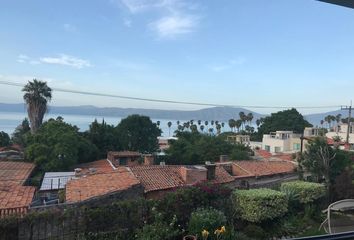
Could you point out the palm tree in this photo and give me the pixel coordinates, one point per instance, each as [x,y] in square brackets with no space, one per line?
[212,122]
[238,124]
[222,124]
[218,128]
[37,95]
[322,122]
[199,122]
[258,122]
[158,124]
[178,122]
[169,124]
[250,118]
[232,124]
[206,123]
[202,128]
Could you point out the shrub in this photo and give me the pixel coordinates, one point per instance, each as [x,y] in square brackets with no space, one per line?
[255,232]
[206,219]
[257,205]
[304,192]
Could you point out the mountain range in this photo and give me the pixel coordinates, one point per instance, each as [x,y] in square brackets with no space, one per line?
[213,113]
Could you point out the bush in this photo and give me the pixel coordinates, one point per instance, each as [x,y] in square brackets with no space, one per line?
[255,232]
[257,205]
[304,192]
[206,219]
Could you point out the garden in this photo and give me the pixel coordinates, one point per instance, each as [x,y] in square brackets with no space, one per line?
[204,211]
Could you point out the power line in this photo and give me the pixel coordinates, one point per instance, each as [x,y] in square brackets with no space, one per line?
[171,101]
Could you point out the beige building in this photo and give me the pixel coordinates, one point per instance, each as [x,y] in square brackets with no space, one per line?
[237,138]
[341,131]
[281,141]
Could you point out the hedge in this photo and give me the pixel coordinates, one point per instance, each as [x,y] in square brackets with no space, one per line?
[257,205]
[304,192]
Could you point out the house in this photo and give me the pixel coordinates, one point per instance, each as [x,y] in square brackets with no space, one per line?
[11,153]
[52,183]
[238,139]
[125,158]
[341,131]
[281,141]
[15,197]
[119,183]
[164,143]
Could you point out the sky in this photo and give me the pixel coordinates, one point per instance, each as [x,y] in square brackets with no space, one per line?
[228,52]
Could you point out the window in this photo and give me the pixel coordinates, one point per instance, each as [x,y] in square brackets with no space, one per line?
[277,149]
[267,148]
[123,161]
[296,146]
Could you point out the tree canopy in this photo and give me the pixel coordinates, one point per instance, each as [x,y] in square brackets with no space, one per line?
[196,148]
[57,146]
[288,120]
[138,133]
[4,139]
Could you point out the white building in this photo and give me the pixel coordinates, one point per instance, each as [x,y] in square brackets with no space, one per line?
[341,131]
[281,141]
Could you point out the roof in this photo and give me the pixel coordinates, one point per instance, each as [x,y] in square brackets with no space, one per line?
[284,156]
[158,177]
[125,154]
[103,165]
[56,180]
[15,196]
[330,141]
[264,168]
[263,153]
[15,172]
[98,184]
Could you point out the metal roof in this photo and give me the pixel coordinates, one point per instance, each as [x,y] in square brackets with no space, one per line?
[56,180]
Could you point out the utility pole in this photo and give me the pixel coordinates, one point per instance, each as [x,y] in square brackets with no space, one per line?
[349,108]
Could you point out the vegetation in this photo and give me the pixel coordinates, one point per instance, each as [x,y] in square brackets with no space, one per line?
[289,120]
[207,220]
[138,133]
[21,133]
[196,148]
[258,205]
[57,146]
[304,192]
[4,139]
[37,94]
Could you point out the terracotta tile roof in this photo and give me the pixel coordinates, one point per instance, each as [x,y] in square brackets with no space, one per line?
[330,141]
[284,156]
[100,166]
[125,154]
[263,153]
[158,177]
[222,176]
[264,168]
[99,184]
[15,172]
[16,196]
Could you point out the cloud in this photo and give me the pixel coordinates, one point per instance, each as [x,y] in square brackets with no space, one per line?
[231,63]
[127,22]
[171,26]
[66,60]
[22,58]
[69,28]
[175,17]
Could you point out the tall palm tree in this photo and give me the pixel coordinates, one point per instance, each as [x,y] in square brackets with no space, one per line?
[199,122]
[158,124]
[169,124]
[258,122]
[232,124]
[250,118]
[338,117]
[37,95]
[206,123]
[322,122]
[202,128]
[238,124]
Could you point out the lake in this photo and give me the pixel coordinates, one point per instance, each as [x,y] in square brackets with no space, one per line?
[10,120]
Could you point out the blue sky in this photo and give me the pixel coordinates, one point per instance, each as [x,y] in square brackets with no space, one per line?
[237,52]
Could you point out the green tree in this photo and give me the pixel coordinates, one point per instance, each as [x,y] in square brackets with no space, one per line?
[138,133]
[4,139]
[37,94]
[232,124]
[21,133]
[288,120]
[58,146]
[169,124]
[103,136]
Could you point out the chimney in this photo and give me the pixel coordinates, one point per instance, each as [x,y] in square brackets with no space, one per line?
[148,159]
[193,174]
[224,158]
[210,170]
[77,172]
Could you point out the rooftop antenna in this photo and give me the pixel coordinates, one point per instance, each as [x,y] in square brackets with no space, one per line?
[349,108]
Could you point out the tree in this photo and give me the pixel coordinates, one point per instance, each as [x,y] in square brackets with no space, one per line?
[232,124]
[169,124]
[338,117]
[158,124]
[103,136]
[238,124]
[37,94]
[242,118]
[250,117]
[21,133]
[202,128]
[324,162]
[138,133]
[288,120]
[258,122]
[58,146]
[4,139]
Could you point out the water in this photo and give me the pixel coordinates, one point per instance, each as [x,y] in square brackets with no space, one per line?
[10,120]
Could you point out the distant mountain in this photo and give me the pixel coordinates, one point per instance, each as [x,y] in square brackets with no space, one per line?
[214,113]
[315,119]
